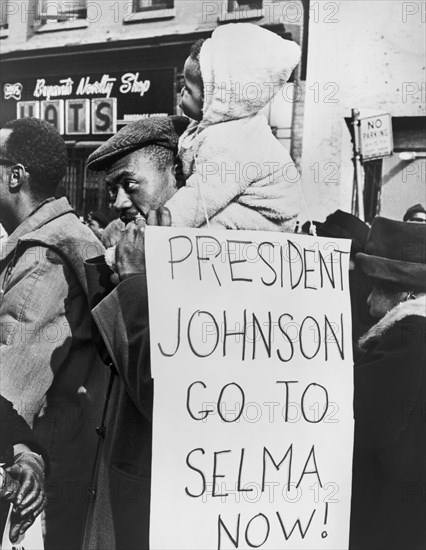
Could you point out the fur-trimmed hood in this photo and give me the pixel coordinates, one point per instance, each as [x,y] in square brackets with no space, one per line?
[399,312]
[243,67]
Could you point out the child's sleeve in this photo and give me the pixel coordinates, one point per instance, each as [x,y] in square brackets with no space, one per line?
[217,180]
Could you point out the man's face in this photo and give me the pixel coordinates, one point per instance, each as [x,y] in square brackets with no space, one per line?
[5,165]
[381,300]
[138,186]
[95,226]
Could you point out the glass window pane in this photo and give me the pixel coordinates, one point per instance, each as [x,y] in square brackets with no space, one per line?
[146,5]
[3,14]
[238,5]
[63,10]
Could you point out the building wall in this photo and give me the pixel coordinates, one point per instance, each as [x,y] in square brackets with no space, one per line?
[105,24]
[106,43]
[112,22]
[366,55]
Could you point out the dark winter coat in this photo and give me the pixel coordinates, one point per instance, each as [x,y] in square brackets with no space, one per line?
[14,430]
[119,515]
[389,465]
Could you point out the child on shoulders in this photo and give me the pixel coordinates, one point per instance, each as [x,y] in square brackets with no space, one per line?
[238,175]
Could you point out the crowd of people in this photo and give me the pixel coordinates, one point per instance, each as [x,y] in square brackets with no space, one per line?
[76,386]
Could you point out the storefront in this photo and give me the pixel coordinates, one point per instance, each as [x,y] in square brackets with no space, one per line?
[89,95]
[89,92]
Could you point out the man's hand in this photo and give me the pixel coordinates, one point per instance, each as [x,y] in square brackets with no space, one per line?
[29,498]
[130,251]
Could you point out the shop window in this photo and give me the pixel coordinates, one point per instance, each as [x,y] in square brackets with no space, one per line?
[242,10]
[241,5]
[61,14]
[4,25]
[145,5]
[150,10]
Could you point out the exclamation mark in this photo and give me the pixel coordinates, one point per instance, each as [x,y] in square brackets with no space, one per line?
[324,533]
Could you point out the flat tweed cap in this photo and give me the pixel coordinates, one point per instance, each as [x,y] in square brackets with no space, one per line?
[396,252]
[162,131]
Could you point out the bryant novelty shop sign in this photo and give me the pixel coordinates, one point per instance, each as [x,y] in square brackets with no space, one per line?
[91,105]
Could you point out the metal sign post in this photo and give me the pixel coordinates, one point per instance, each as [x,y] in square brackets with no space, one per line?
[358,189]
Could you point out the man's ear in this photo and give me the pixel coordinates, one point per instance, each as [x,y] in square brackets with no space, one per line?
[178,176]
[173,170]
[17,177]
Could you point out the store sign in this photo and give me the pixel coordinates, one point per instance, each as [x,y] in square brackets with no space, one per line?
[12,91]
[28,109]
[376,136]
[77,116]
[53,112]
[91,105]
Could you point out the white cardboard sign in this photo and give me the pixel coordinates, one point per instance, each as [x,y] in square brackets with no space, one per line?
[32,539]
[251,357]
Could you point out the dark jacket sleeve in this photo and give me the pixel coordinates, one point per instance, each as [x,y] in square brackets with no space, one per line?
[15,430]
[122,319]
[389,382]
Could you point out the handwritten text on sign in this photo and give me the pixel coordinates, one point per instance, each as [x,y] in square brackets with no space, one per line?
[252,361]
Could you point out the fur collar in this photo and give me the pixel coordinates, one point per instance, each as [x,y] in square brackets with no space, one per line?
[402,310]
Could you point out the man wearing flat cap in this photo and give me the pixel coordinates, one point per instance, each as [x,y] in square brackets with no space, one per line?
[140,166]
[389,465]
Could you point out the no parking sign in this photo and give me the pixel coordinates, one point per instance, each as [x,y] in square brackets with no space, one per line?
[376,136]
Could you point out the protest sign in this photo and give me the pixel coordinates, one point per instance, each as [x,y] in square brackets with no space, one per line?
[251,356]
[32,539]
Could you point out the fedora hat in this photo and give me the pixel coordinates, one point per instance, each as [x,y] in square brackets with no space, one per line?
[395,252]
[342,225]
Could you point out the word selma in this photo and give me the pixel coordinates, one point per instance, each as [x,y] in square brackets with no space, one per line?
[231,261]
[230,465]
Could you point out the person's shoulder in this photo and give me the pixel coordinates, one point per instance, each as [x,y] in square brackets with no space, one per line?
[401,345]
[411,331]
[67,233]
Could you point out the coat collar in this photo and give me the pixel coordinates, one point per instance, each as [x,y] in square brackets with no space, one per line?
[49,211]
[399,312]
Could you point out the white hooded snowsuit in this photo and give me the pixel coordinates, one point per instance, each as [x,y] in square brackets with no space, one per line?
[238,175]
